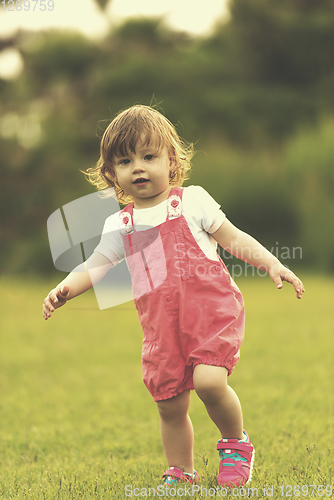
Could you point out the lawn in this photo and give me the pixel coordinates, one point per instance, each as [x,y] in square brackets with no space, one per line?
[78,423]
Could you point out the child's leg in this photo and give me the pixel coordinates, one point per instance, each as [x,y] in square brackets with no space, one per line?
[177,431]
[221,401]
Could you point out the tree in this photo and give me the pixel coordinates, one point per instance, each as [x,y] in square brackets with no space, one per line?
[102,4]
[286,42]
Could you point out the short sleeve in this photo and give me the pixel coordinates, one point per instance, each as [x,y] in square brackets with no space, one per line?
[205,209]
[217,222]
[111,244]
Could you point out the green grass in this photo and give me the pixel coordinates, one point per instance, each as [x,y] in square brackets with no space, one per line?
[78,423]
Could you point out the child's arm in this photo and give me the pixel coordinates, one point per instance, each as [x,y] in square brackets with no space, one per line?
[81,279]
[245,247]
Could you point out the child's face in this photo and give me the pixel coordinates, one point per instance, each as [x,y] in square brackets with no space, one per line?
[145,174]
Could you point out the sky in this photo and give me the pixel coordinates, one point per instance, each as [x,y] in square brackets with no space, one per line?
[196,18]
[84,15]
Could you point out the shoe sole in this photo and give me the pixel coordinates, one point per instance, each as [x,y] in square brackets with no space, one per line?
[251,468]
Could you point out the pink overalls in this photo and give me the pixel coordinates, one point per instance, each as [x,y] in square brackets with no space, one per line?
[190,309]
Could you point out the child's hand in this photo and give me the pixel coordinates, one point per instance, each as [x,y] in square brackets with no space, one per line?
[279,273]
[56,298]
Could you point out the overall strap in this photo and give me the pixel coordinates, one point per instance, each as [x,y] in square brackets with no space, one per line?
[126,219]
[127,228]
[174,203]
[174,210]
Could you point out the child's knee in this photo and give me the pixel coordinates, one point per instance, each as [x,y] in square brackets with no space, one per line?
[175,407]
[210,382]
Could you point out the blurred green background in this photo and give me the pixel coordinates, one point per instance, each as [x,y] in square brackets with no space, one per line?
[255,96]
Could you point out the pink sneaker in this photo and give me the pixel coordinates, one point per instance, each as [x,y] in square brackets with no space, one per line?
[236,462]
[174,475]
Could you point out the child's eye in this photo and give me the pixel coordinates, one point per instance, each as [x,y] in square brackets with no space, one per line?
[124,161]
[149,157]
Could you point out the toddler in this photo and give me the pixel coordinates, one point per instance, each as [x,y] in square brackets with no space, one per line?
[190,309]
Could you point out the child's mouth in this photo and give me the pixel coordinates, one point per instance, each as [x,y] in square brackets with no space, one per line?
[141,180]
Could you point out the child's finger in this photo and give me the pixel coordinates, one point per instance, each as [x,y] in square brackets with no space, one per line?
[278,282]
[47,308]
[64,291]
[47,303]
[59,294]
[276,279]
[54,299]
[290,277]
[53,296]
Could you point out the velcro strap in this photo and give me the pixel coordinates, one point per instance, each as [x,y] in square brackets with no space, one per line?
[235,446]
[176,472]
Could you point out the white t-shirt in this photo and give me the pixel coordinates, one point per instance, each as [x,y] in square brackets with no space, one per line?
[200,210]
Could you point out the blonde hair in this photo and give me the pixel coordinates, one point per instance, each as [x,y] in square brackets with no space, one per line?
[123,134]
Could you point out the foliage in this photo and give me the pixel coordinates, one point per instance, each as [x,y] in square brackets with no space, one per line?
[242,93]
[102,3]
[309,161]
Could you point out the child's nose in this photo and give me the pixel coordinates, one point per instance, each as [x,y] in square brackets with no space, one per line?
[138,165]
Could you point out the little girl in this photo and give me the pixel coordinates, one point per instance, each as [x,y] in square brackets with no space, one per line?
[190,309]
